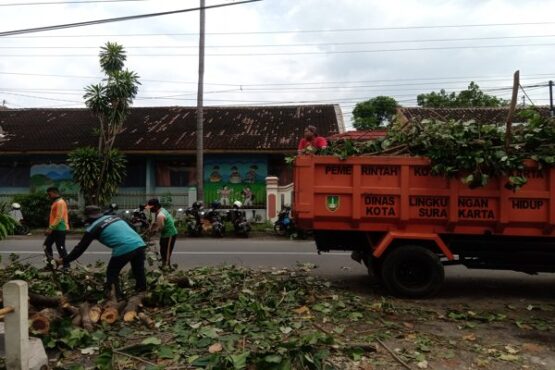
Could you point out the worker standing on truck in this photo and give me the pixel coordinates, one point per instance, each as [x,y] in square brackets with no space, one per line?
[126,245]
[312,141]
[163,223]
[58,226]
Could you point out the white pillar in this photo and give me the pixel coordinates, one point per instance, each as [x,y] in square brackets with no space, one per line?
[272,199]
[17,325]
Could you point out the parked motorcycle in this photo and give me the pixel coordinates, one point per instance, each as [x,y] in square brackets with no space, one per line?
[284,224]
[112,210]
[193,219]
[213,221]
[238,219]
[139,220]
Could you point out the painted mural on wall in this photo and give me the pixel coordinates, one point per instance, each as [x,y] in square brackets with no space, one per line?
[229,178]
[44,176]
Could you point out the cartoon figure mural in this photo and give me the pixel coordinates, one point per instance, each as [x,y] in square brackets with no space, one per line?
[225,196]
[250,178]
[235,177]
[215,176]
[248,197]
[229,178]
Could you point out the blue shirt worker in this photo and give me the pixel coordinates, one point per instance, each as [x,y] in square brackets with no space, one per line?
[126,245]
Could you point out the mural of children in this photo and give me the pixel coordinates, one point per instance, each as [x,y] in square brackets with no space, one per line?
[234,177]
[250,178]
[248,197]
[225,196]
[215,175]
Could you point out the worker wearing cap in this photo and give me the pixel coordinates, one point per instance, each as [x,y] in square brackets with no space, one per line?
[163,223]
[126,245]
[58,226]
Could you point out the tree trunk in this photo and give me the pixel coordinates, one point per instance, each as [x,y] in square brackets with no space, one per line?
[41,321]
[94,313]
[181,281]
[85,318]
[133,304]
[147,320]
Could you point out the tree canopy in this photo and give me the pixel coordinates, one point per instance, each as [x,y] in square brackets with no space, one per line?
[473,96]
[374,113]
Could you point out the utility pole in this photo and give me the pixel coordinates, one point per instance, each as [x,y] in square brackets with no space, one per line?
[200,107]
[551,110]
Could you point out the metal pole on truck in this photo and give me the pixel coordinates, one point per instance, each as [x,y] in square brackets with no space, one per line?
[551,109]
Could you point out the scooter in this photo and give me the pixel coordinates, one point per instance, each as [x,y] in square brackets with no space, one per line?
[238,219]
[193,219]
[139,220]
[284,224]
[213,221]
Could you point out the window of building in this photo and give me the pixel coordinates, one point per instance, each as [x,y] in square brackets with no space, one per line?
[14,175]
[136,174]
[175,173]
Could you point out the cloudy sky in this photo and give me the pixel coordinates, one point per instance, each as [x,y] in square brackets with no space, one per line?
[281,51]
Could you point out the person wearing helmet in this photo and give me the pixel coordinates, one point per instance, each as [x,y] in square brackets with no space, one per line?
[126,245]
[15,212]
[163,223]
[237,204]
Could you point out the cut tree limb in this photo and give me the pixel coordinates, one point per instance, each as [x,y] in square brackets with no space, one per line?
[76,320]
[111,312]
[41,321]
[133,304]
[147,320]
[85,318]
[181,281]
[94,313]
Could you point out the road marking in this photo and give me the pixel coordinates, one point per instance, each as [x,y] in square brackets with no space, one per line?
[227,253]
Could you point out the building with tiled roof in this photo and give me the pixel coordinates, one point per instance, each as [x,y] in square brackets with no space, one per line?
[243,145]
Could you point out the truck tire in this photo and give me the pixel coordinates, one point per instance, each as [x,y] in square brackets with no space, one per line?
[412,271]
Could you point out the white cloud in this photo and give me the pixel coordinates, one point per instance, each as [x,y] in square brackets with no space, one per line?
[494,66]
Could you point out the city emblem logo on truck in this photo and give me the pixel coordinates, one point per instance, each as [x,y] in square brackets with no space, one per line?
[332,203]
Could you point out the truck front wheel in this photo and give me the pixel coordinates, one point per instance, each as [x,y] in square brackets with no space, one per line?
[412,271]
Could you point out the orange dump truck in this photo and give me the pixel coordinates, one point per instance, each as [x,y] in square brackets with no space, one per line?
[406,224]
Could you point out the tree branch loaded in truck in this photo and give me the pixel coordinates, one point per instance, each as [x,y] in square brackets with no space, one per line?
[405,223]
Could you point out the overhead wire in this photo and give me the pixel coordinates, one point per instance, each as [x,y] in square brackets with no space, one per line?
[328,52]
[66,2]
[118,19]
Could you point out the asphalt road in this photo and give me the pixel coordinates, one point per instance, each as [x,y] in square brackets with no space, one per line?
[461,283]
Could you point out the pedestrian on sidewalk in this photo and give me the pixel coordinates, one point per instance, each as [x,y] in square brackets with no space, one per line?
[165,224]
[127,247]
[58,226]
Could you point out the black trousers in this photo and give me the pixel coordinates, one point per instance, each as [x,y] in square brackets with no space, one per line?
[59,238]
[116,264]
[166,249]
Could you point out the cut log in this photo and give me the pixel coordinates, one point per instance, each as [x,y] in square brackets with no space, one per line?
[133,304]
[41,321]
[85,318]
[111,312]
[146,320]
[94,313]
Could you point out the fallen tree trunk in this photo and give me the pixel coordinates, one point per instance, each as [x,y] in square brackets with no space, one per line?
[111,312]
[39,300]
[41,321]
[76,321]
[147,320]
[94,313]
[85,318]
[133,304]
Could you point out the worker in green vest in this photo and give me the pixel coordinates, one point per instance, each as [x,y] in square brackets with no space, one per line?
[165,224]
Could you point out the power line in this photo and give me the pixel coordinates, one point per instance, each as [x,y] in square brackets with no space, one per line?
[118,19]
[68,2]
[316,31]
[289,45]
[284,53]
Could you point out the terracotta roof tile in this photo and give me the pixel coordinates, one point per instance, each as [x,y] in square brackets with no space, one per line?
[169,128]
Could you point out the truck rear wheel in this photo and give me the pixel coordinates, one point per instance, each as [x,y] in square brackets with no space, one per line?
[412,271]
